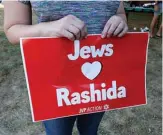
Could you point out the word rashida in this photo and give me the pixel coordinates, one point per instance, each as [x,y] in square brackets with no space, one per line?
[64,98]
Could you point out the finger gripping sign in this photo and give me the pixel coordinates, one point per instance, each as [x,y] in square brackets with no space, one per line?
[66,78]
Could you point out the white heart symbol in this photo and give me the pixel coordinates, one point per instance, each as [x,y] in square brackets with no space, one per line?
[91,70]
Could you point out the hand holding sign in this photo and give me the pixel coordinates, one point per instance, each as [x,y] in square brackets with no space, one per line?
[115,26]
[71,27]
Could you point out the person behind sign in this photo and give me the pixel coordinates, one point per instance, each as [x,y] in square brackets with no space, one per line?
[157,13]
[73,20]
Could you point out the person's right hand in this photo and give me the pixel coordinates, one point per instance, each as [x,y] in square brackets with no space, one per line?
[70,27]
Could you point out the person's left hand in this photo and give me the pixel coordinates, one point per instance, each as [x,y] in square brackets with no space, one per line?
[115,26]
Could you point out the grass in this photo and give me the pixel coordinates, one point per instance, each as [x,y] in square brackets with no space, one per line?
[15,116]
[1,19]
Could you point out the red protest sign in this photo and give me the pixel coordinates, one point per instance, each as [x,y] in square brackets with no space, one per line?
[66,78]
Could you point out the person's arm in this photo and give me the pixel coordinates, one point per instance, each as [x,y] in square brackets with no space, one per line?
[117,24]
[18,23]
[156,6]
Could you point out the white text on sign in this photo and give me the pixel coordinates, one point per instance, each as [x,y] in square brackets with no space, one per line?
[90,51]
[92,95]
